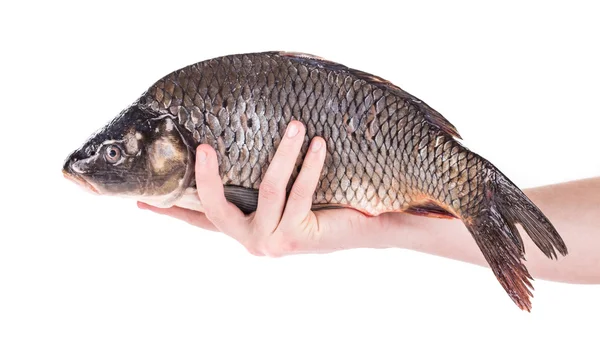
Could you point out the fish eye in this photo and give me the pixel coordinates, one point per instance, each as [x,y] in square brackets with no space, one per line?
[112,154]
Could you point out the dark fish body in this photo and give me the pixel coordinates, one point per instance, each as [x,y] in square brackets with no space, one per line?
[387,150]
[381,141]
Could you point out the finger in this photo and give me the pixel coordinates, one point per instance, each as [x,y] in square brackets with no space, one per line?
[224,215]
[301,196]
[272,191]
[194,218]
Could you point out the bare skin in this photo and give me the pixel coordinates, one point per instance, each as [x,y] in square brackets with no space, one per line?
[284,227]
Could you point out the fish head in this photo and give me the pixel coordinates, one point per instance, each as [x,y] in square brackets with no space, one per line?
[137,155]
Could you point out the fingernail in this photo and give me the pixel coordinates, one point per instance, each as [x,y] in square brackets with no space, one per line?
[316,146]
[201,156]
[292,130]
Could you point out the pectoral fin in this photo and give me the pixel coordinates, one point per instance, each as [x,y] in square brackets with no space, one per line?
[246,199]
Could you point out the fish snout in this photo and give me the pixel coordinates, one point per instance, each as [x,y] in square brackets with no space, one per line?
[77,162]
[73,169]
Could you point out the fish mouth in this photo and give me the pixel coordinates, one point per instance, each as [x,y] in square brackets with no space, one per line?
[80,181]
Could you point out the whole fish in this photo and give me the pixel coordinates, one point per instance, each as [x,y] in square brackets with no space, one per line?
[387,151]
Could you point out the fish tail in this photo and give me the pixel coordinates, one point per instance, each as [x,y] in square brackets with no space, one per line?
[493,226]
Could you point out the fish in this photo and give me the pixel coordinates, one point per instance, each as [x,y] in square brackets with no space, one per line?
[387,151]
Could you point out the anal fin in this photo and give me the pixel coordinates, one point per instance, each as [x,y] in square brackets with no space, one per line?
[429,208]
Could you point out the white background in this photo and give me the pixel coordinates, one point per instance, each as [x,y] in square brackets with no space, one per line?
[520,82]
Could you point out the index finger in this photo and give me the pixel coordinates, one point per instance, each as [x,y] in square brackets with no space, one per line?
[301,196]
[273,188]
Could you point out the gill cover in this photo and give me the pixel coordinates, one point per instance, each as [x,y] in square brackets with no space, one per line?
[170,163]
[137,155]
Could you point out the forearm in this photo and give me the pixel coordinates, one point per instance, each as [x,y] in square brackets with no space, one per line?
[573,208]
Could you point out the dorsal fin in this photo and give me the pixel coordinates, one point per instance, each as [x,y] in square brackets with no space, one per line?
[434,117]
[431,115]
[314,60]
[300,55]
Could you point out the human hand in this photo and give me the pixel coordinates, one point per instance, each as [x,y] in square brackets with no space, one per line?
[278,226]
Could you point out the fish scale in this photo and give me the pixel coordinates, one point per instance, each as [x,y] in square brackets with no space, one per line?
[354,97]
[387,151]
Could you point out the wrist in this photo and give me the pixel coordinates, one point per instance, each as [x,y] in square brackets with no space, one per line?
[378,232]
[391,230]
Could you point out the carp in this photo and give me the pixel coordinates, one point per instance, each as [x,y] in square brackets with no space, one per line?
[387,151]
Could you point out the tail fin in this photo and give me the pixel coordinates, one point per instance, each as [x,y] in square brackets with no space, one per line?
[495,232]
